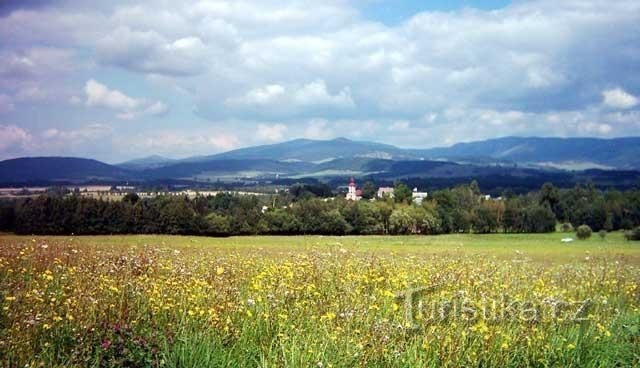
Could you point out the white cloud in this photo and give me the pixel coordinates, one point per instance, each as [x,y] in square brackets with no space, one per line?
[224,141]
[157,108]
[594,128]
[16,141]
[316,93]
[400,125]
[618,98]
[273,132]
[99,95]
[261,95]
[278,99]
[13,139]
[149,51]
[318,129]
[179,142]
[89,132]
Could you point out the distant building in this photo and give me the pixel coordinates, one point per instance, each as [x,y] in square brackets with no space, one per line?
[385,191]
[353,194]
[418,197]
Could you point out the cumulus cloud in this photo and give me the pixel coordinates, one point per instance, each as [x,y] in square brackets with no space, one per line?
[89,132]
[260,96]
[318,129]
[13,139]
[150,52]
[179,142]
[157,108]
[273,132]
[99,95]
[316,93]
[289,101]
[16,141]
[619,98]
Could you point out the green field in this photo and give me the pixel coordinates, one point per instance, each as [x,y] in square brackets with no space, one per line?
[321,301]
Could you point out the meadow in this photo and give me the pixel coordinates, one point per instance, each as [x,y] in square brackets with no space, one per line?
[319,301]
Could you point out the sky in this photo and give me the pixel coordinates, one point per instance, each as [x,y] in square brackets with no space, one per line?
[116,80]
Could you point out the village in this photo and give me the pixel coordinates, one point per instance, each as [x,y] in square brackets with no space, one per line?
[355,194]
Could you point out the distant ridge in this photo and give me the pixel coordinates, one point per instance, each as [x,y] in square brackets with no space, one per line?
[146,162]
[566,153]
[314,150]
[30,169]
[618,153]
[342,157]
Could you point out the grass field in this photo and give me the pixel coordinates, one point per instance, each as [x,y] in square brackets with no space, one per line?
[451,300]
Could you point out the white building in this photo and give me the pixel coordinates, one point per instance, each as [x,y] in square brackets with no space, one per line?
[385,191]
[353,194]
[418,197]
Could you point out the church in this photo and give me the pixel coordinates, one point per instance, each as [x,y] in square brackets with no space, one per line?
[353,194]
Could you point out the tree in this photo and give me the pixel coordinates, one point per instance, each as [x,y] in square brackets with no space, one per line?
[401,221]
[445,206]
[217,225]
[334,224]
[602,233]
[475,188]
[550,196]
[583,232]
[484,221]
[425,220]
[369,190]
[280,221]
[177,216]
[363,217]
[131,198]
[566,227]
[384,209]
[538,219]
[402,193]
[7,217]
[306,191]
[318,217]
[632,234]
[592,213]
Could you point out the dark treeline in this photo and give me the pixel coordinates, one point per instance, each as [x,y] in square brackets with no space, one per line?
[312,209]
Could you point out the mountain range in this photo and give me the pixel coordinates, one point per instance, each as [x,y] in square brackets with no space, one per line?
[516,157]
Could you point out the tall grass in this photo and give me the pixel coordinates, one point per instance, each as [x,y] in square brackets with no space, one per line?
[317,301]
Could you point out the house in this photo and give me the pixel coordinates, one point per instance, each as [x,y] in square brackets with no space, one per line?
[353,194]
[418,197]
[385,191]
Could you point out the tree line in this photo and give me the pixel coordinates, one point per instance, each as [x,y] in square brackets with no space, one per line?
[314,209]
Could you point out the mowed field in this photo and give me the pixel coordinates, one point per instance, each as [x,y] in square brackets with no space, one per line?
[319,301]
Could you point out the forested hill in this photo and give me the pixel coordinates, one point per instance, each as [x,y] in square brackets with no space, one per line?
[51,169]
[620,153]
[563,161]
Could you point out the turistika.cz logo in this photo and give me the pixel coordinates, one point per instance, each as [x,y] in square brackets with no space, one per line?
[422,307]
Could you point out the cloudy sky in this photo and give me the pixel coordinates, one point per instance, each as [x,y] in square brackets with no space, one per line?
[115,81]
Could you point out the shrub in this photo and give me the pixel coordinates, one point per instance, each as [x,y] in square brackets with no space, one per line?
[566,227]
[602,233]
[632,234]
[583,232]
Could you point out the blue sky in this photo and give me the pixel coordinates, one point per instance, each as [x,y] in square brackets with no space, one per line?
[115,80]
[392,12]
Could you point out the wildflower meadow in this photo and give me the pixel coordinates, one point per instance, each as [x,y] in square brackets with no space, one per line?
[374,301]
